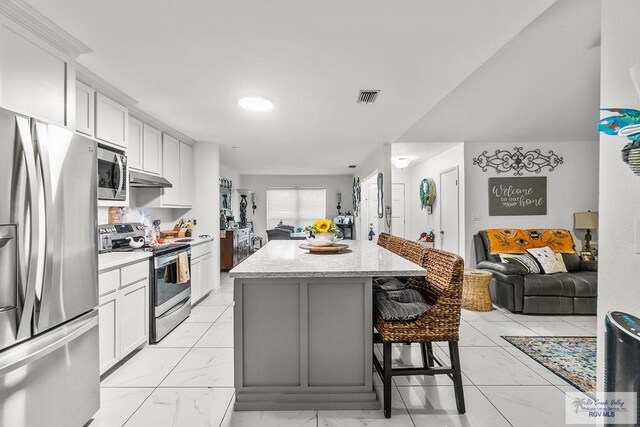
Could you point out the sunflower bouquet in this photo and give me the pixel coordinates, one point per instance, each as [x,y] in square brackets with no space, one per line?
[322,225]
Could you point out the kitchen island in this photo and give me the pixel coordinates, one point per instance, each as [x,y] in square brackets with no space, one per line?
[303,326]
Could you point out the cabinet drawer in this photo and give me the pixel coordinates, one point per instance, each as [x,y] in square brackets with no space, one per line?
[135,273]
[108,281]
[201,249]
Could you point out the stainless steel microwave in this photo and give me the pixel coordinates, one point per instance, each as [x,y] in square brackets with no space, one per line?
[112,175]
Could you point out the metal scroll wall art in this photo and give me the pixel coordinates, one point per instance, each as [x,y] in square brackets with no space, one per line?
[355,196]
[427,194]
[518,161]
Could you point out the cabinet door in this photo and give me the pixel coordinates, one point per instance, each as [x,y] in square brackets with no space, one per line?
[186,174]
[196,281]
[84,108]
[112,121]
[109,338]
[207,274]
[133,317]
[152,158]
[171,170]
[135,150]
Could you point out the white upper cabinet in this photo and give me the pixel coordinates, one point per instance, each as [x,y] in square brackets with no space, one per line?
[33,80]
[152,150]
[171,170]
[84,108]
[112,121]
[134,152]
[186,174]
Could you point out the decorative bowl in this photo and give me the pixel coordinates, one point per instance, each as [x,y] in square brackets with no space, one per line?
[323,239]
[135,243]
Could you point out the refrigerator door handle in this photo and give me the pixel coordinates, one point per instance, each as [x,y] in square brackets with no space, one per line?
[27,269]
[120,176]
[48,214]
[46,345]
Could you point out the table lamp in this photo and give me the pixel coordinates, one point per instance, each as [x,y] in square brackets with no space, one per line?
[586,221]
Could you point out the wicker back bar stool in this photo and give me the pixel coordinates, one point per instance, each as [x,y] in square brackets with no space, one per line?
[442,289]
[383,239]
[395,244]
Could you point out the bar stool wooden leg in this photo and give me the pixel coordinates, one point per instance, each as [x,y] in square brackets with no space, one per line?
[387,380]
[457,376]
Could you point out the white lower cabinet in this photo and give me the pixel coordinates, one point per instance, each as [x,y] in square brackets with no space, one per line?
[201,271]
[123,312]
[109,340]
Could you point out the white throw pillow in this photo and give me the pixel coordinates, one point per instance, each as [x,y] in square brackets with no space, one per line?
[548,260]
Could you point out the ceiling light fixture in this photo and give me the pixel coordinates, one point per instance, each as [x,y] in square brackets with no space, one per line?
[403,161]
[256,103]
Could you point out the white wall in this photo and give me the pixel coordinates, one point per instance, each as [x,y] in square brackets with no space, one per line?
[571,187]
[206,204]
[418,220]
[378,162]
[619,265]
[260,183]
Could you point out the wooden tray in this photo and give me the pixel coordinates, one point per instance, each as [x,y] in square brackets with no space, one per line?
[333,249]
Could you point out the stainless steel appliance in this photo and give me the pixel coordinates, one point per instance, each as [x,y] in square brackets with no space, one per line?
[170,298]
[49,372]
[112,175]
[146,180]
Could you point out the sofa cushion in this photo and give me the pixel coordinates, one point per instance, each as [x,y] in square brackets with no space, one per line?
[571,261]
[559,284]
[407,304]
[548,260]
[586,283]
[523,259]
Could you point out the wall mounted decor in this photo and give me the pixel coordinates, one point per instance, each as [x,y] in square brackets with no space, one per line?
[339,201]
[380,196]
[518,161]
[427,194]
[243,210]
[518,196]
[253,202]
[626,123]
[355,196]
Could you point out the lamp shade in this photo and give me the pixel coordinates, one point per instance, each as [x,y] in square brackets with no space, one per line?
[585,220]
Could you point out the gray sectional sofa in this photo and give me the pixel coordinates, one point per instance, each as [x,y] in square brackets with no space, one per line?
[513,288]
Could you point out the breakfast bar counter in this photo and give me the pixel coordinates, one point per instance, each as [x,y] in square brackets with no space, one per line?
[303,326]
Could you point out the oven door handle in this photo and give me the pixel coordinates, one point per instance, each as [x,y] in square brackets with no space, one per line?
[161,261]
[121,176]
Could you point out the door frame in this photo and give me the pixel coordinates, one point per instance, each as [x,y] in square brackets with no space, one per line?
[442,172]
[404,207]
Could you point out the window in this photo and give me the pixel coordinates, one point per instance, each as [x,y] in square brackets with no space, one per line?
[298,207]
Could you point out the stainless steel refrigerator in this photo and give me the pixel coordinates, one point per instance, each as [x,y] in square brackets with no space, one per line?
[49,374]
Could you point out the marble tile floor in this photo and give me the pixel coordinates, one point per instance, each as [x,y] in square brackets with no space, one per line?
[187,379]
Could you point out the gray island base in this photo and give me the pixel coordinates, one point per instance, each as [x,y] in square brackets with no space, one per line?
[303,326]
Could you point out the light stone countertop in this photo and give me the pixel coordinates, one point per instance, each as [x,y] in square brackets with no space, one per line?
[112,260]
[283,258]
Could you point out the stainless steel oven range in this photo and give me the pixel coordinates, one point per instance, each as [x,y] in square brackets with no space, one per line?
[170,276]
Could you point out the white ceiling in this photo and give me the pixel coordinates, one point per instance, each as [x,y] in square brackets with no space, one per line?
[188,62]
[421,151]
[544,85]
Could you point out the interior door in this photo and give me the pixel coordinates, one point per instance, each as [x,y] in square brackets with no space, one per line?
[372,206]
[397,210]
[449,211]
[66,164]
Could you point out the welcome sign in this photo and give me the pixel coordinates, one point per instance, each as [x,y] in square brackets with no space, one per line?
[518,196]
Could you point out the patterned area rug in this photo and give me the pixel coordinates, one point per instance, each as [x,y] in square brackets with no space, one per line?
[571,358]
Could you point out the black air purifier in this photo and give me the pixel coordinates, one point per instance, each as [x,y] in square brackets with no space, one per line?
[622,353]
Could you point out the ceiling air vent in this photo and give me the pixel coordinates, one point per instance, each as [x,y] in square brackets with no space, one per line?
[352,166]
[367,96]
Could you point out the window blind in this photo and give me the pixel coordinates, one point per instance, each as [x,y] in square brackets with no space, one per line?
[295,206]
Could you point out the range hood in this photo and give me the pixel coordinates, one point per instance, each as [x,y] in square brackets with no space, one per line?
[146,180]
